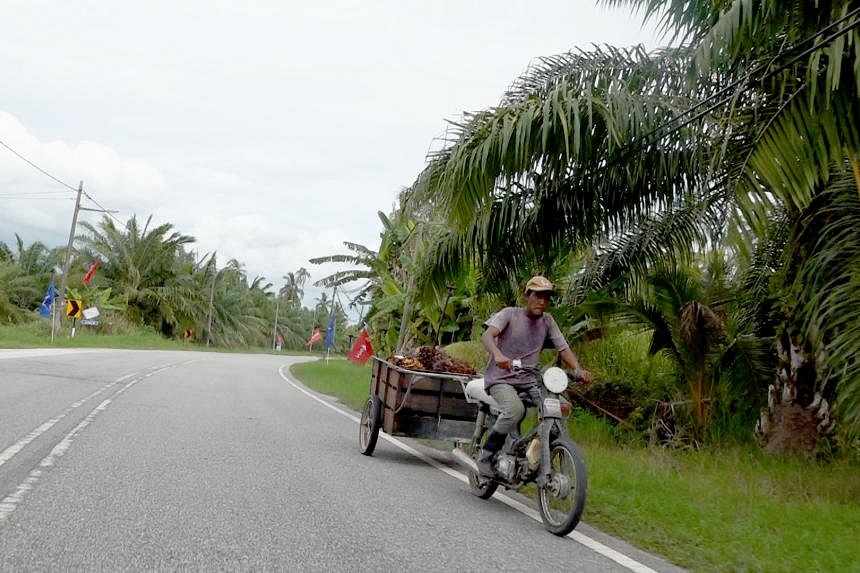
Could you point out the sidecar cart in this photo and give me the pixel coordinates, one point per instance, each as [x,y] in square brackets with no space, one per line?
[416,404]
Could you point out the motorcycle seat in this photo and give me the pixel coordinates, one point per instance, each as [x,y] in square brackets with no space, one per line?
[476,393]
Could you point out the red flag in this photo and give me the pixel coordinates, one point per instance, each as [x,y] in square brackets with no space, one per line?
[315,337]
[91,272]
[362,349]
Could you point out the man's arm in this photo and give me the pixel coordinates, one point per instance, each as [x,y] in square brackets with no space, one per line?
[489,341]
[569,358]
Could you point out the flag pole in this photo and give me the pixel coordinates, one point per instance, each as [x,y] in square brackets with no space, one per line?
[330,323]
[53,314]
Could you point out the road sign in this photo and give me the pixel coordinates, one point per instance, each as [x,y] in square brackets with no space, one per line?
[89,322]
[73,308]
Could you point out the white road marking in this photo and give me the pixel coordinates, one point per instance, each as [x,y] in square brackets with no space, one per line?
[10,452]
[583,539]
[43,352]
[11,501]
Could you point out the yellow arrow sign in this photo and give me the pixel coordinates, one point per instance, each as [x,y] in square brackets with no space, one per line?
[74,308]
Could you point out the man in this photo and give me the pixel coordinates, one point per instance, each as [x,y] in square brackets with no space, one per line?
[519,333]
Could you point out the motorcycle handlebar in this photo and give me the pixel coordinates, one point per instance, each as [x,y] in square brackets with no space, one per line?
[517,364]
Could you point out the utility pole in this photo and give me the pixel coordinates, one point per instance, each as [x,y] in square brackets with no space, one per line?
[58,308]
[211,303]
[275,333]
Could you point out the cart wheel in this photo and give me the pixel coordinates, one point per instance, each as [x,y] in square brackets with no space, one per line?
[368,430]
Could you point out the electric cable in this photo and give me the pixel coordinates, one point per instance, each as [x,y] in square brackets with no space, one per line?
[63,183]
[644,139]
[99,205]
[763,66]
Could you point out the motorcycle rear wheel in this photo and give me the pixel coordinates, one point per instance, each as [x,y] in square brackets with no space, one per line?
[479,486]
[562,500]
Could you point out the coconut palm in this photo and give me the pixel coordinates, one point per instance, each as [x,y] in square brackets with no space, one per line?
[294,286]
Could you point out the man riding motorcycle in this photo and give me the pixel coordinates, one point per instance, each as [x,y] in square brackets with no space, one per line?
[516,333]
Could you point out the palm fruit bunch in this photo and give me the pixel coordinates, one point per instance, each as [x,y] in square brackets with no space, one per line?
[433,359]
[427,355]
[407,362]
[437,360]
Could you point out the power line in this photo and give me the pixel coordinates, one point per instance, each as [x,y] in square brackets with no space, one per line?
[762,66]
[37,198]
[63,183]
[644,139]
[99,205]
[31,193]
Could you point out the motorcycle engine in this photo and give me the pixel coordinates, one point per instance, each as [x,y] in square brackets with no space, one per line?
[505,467]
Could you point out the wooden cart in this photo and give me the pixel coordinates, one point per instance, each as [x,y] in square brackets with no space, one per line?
[415,403]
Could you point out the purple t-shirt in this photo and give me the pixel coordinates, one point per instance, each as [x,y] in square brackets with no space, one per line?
[521,337]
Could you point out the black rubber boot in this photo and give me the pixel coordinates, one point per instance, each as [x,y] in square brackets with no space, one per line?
[495,441]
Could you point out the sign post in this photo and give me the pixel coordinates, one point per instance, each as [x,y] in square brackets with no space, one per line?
[74,311]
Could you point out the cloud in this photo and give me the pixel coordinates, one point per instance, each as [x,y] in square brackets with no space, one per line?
[269,250]
[39,208]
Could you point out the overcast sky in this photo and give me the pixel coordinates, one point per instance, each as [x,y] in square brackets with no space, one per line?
[271,131]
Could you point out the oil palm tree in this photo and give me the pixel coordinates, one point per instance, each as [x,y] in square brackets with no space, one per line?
[138,261]
[754,113]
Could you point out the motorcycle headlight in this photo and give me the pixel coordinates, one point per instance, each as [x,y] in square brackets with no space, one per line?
[555,379]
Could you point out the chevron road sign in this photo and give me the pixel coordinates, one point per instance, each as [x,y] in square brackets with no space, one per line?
[74,308]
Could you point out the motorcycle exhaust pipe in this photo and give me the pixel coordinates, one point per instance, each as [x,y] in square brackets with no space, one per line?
[464,459]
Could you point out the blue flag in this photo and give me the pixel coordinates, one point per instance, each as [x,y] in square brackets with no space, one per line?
[48,301]
[329,332]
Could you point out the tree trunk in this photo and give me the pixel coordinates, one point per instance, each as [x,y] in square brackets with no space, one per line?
[404,338]
[798,419]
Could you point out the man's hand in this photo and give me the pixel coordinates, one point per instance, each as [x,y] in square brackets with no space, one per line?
[502,361]
[582,376]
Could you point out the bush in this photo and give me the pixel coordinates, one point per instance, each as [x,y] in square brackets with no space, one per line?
[472,352]
[628,381]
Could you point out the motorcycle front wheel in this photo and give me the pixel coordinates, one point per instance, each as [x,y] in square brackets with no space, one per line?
[562,498]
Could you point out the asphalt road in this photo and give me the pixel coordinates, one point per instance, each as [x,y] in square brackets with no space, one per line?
[136,460]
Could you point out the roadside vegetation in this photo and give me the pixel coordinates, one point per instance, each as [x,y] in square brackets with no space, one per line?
[38,335]
[149,282]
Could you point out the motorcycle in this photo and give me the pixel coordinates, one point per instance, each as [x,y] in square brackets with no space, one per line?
[545,456]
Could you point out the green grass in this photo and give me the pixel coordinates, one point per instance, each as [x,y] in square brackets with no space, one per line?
[709,510]
[37,334]
[733,510]
[349,381]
